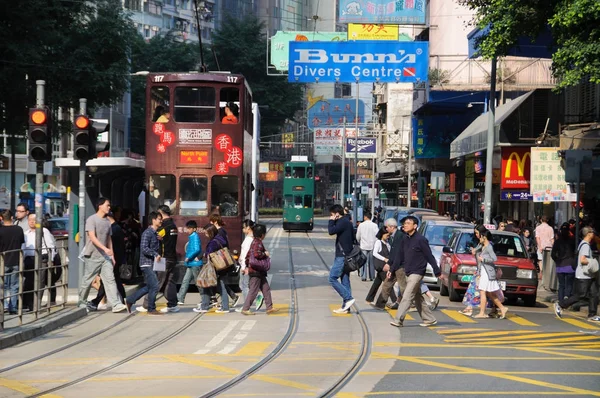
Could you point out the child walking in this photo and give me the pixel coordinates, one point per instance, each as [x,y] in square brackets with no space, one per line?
[193,260]
[258,263]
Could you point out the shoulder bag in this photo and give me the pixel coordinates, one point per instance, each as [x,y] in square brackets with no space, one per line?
[591,268]
[221,259]
[353,260]
[207,277]
[262,265]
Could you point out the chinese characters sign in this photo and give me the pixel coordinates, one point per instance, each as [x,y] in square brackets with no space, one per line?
[516,168]
[194,157]
[328,141]
[195,136]
[233,155]
[280,44]
[382,11]
[369,31]
[166,137]
[548,177]
[329,113]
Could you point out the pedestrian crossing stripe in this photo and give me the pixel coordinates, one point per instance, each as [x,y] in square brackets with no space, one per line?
[521,338]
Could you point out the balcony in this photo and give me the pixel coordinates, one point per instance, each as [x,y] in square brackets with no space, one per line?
[458,72]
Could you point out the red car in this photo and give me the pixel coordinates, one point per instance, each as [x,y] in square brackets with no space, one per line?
[519,277]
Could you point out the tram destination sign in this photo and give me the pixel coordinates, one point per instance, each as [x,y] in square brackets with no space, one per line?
[194,136]
[364,61]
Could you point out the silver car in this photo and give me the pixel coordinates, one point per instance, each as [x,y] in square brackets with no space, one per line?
[438,233]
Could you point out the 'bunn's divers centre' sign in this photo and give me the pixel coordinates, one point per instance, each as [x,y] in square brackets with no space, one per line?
[363,61]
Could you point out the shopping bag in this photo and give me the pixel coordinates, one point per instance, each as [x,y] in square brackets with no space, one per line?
[221,259]
[207,277]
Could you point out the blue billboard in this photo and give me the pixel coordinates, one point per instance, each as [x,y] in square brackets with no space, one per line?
[405,12]
[362,148]
[331,112]
[364,61]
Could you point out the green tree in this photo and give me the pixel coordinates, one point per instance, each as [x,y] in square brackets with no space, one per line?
[575,27]
[241,46]
[160,54]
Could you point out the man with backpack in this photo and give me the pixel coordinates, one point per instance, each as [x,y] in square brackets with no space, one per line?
[586,281]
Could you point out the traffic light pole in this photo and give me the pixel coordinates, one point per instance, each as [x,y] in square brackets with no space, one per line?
[82,170]
[39,210]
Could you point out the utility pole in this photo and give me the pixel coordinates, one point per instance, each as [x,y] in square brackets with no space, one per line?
[342,188]
[409,171]
[355,191]
[487,209]
[82,170]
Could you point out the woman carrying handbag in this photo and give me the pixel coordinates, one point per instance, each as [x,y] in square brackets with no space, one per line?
[216,242]
[488,282]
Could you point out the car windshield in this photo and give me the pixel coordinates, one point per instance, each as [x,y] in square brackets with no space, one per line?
[508,246]
[438,235]
[58,224]
[504,245]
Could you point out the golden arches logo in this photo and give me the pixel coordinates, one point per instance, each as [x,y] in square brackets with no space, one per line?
[520,164]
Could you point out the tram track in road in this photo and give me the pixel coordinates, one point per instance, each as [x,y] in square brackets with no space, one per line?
[365,347]
[123,361]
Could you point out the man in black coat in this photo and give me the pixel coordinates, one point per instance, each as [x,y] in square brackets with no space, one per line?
[340,225]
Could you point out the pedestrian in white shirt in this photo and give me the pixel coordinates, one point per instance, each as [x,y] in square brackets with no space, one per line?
[244,278]
[366,235]
[48,248]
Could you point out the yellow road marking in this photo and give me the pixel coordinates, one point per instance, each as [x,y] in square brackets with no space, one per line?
[536,336]
[497,374]
[458,316]
[519,320]
[580,347]
[283,382]
[580,338]
[333,307]
[23,388]
[459,331]
[394,314]
[203,364]
[254,349]
[284,310]
[564,354]
[580,324]
[469,393]
[468,336]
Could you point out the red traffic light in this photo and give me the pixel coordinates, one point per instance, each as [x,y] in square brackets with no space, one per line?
[38,116]
[82,122]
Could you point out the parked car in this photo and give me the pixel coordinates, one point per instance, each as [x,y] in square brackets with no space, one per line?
[519,278]
[59,227]
[438,233]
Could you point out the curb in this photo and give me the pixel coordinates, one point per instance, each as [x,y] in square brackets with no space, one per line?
[42,326]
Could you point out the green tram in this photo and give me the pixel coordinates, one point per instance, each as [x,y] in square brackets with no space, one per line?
[298,194]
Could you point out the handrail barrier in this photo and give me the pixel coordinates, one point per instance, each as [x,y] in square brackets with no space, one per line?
[26,284]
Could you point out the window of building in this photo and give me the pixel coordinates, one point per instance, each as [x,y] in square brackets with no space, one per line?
[342,90]
[160,104]
[193,193]
[230,105]
[224,195]
[195,104]
[161,191]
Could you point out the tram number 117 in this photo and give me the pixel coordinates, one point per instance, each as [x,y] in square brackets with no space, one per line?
[232,79]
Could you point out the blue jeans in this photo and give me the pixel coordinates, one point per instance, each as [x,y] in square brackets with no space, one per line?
[191,275]
[151,289]
[223,293]
[11,286]
[565,284]
[336,273]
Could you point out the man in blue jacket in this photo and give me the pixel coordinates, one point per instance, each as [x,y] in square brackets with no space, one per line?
[341,226]
[414,255]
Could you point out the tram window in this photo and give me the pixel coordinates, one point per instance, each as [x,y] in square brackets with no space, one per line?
[224,195]
[193,192]
[299,172]
[298,201]
[288,201]
[195,104]
[288,171]
[308,201]
[159,104]
[230,105]
[161,189]
[309,172]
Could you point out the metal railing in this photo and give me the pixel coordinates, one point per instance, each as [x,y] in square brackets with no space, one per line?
[26,284]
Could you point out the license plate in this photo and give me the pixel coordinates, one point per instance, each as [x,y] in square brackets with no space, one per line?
[503,285]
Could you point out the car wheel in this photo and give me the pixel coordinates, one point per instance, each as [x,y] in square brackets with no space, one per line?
[530,301]
[454,296]
[443,288]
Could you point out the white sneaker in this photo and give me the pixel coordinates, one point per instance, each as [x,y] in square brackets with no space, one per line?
[199,310]
[169,309]
[119,307]
[341,311]
[102,307]
[222,311]
[180,303]
[348,304]
[141,309]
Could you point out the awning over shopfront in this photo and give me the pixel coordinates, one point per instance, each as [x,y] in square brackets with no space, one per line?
[474,137]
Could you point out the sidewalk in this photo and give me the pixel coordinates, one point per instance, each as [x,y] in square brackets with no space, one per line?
[48,321]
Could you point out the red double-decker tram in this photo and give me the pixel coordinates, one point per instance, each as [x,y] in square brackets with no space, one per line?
[199,149]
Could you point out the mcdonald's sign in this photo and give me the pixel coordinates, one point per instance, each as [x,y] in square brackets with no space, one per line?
[516,168]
